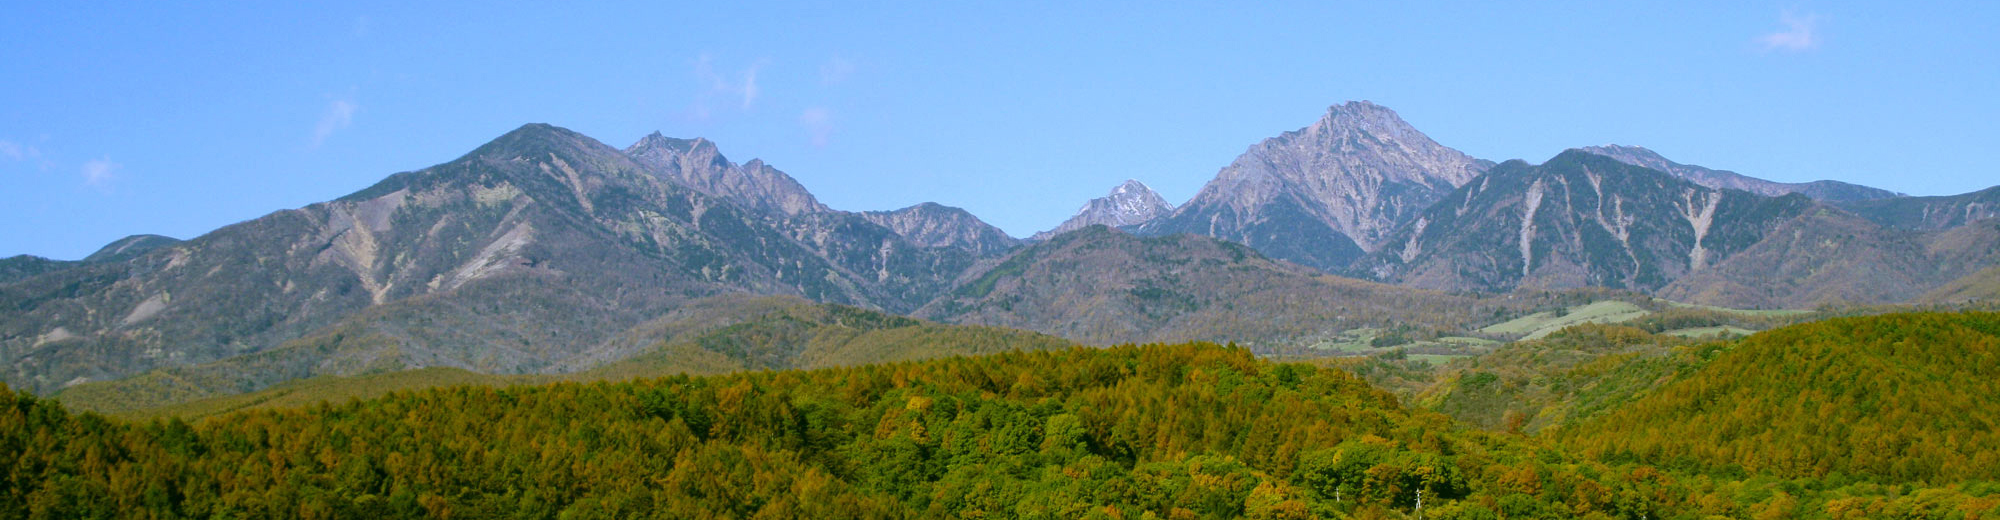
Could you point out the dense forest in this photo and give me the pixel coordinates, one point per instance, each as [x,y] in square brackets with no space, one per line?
[1156,431]
[1908,397]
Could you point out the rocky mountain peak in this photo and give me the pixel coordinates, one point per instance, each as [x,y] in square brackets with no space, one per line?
[698,164]
[1327,193]
[936,225]
[536,139]
[1131,203]
[1360,117]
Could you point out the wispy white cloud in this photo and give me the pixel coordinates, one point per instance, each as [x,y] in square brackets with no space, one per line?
[18,151]
[750,85]
[99,172]
[739,88]
[835,71]
[1801,33]
[818,122]
[339,114]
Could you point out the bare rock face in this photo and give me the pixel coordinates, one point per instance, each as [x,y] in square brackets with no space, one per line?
[1328,193]
[936,225]
[698,165]
[1130,204]
[1828,191]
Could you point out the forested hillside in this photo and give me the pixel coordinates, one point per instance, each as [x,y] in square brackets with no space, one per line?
[1190,431]
[708,336]
[1905,397]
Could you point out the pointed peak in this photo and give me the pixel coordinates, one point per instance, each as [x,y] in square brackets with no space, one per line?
[534,139]
[1363,116]
[536,130]
[1361,111]
[1358,106]
[674,145]
[1131,186]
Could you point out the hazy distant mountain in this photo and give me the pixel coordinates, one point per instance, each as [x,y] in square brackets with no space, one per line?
[936,225]
[1328,193]
[1930,213]
[1578,220]
[1830,191]
[527,250]
[1829,256]
[1100,285]
[1129,204]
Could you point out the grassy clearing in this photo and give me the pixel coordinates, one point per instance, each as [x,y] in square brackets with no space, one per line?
[1708,332]
[1537,325]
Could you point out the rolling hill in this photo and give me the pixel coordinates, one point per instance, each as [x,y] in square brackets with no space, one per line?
[1897,398]
[714,335]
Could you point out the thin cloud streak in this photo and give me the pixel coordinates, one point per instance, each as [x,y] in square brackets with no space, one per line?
[339,115]
[1800,33]
[835,71]
[99,172]
[18,151]
[739,89]
[818,122]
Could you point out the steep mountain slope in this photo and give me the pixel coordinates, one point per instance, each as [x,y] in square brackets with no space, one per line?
[1930,213]
[1129,204]
[1980,286]
[511,209]
[699,165]
[936,225]
[1898,398]
[1830,257]
[1328,193]
[1102,286]
[130,247]
[1829,191]
[22,267]
[527,250]
[1578,220]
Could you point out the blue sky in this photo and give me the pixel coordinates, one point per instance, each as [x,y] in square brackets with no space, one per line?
[116,120]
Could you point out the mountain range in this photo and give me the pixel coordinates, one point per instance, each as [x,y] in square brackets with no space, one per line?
[546,251]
